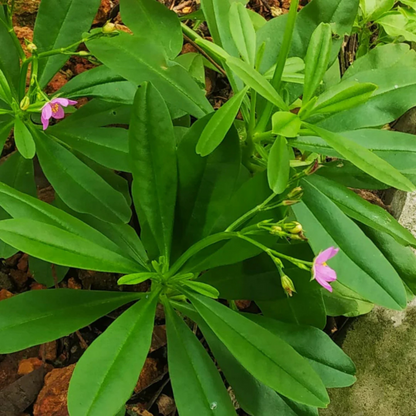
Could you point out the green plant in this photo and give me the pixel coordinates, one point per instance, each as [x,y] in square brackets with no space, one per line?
[230,209]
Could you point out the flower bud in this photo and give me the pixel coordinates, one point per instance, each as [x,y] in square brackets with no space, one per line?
[108,27]
[31,47]
[295,193]
[288,285]
[83,53]
[289,202]
[312,168]
[293,227]
[275,230]
[25,103]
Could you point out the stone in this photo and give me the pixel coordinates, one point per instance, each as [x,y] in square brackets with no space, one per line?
[52,399]
[381,346]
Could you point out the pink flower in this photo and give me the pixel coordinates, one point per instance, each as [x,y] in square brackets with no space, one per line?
[321,271]
[54,109]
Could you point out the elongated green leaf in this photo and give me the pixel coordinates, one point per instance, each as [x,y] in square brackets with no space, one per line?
[256,81]
[339,13]
[107,146]
[285,123]
[107,372]
[403,259]
[361,210]
[197,385]
[42,316]
[219,125]
[268,358]
[59,25]
[278,165]
[135,278]
[205,184]
[20,205]
[57,246]
[383,56]
[326,226]
[5,128]
[366,160]
[394,96]
[243,33]
[344,301]
[153,163]
[317,59]
[202,288]
[139,60]
[9,57]
[372,9]
[247,389]
[78,185]
[333,366]
[24,140]
[18,173]
[217,15]
[343,96]
[156,23]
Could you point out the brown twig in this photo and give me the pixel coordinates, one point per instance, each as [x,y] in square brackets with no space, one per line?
[205,54]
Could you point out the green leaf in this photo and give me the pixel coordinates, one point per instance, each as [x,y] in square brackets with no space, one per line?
[361,210]
[107,146]
[202,288]
[193,62]
[217,15]
[285,123]
[317,60]
[156,23]
[268,358]
[24,140]
[58,26]
[305,307]
[135,278]
[205,184]
[18,173]
[339,13]
[333,366]
[5,128]
[197,386]
[278,165]
[9,57]
[343,96]
[383,56]
[373,9]
[395,95]
[139,60]
[344,301]
[219,125]
[20,205]
[154,165]
[44,272]
[396,25]
[247,389]
[108,371]
[57,246]
[326,226]
[366,160]
[79,186]
[403,259]
[41,316]
[256,81]
[243,33]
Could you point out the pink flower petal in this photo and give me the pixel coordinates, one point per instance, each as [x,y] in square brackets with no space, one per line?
[326,255]
[45,122]
[325,272]
[72,102]
[61,101]
[47,111]
[59,114]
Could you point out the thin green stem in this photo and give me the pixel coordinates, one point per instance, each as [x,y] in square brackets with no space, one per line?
[280,66]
